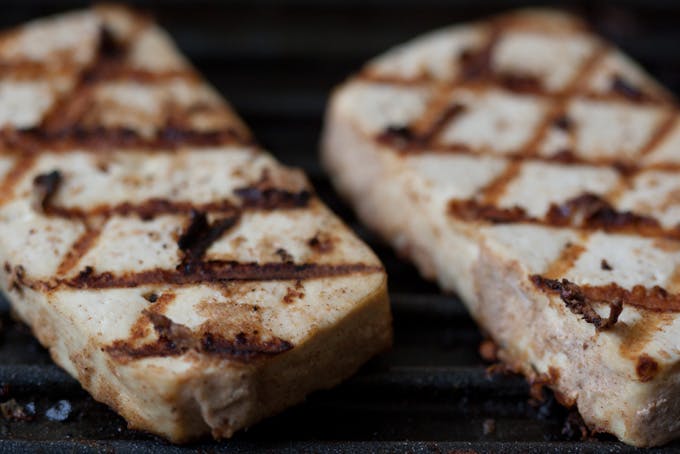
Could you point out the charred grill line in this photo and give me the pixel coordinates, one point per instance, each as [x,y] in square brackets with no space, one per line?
[268,198]
[22,165]
[210,271]
[78,250]
[45,186]
[661,132]
[100,139]
[585,212]
[200,235]
[580,299]
[176,339]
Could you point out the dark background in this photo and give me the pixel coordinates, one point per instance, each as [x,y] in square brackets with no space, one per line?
[276,61]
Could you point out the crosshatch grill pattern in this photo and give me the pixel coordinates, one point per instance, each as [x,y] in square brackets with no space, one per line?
[432,387]
[631,185]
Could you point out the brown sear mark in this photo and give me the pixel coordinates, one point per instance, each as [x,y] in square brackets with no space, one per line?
[580,302]
[646,368]
[565,261]
[78,250]
[586,212]
[664,128]
[45,186]
[176,339]
[655,299]
[294,293]
[495,189]
[635,337]
[604,265]
[22,165]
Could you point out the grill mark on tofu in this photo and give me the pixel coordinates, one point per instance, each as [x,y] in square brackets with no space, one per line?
[495,189]
[664,128]
[200,235]
[145,210]
[585,212]
[82,245]
[45,185]
[22,165]
[100,139]
[176,339]
[569,255]
[655,299]
[211,271]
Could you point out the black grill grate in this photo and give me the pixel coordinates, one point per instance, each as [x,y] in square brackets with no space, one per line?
[277,61]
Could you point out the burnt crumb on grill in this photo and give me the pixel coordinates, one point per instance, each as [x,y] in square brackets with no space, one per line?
[574,427]
[151,297]
[489,426]
[604,265]
[284,255]
[500,368]
[59,412]
[200,235]
[11,410]
[563,122]
[646,368]
[45,186]
[321,243]
[580,303]
[538,385]
[488,350]
[625,88]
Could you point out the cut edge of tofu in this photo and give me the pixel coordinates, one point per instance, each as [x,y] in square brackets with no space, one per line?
[158,396]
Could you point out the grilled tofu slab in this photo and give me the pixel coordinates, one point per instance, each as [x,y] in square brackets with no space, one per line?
[180,273]
[532,168]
